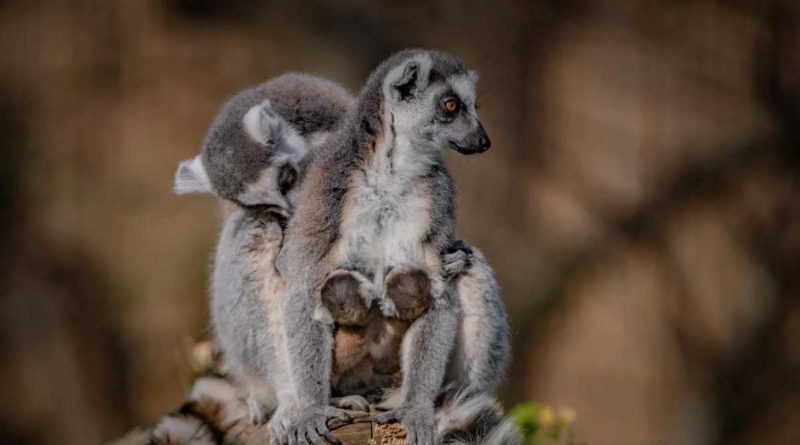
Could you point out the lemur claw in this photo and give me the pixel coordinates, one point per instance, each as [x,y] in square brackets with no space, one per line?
[309,425]
[419,422]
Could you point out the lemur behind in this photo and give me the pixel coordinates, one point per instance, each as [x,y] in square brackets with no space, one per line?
[253,155]
[374,215]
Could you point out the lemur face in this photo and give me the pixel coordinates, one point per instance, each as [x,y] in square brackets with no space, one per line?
[434,97]
[253,160]
[274,180]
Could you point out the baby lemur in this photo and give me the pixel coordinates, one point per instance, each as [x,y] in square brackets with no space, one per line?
[372,219]
[254,155]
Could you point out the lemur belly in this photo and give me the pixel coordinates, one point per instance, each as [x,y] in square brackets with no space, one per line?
[384,225]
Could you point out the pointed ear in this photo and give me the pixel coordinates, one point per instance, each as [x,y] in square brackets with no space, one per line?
[406,80]
[262,123]
[191,177]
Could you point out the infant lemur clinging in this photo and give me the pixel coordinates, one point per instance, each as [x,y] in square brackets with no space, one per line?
[373,217]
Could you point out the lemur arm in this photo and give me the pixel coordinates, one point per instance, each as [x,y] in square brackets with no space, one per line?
[308,341]
[483,342]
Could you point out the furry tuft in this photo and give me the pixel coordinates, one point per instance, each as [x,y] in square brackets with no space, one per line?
[474,420]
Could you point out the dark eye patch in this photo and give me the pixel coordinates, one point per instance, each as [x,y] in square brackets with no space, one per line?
[449,106]
[287,177]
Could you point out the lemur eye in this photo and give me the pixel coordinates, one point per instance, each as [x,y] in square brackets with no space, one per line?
[450,105]
[286,178]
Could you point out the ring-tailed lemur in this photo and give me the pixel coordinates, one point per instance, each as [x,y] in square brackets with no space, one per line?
[373,217]
[253,155]
[251,139]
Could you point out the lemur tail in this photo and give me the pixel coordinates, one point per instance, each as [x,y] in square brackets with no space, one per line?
[474,420]
[212,409]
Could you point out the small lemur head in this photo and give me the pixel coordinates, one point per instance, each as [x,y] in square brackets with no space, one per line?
[250,156]
[432,94]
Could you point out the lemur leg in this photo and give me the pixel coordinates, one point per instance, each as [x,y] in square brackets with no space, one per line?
[408,292]
[483,342]
[428,341]
[350,350]
[344,295]
[309,350]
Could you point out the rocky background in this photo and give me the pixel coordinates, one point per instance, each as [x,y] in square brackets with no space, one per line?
[640,202]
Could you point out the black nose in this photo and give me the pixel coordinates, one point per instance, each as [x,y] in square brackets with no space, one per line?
[484,143]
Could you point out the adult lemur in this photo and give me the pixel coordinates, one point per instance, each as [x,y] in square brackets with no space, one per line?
[373,217]
[253,155]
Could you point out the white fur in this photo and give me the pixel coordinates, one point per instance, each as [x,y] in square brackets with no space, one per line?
[191,177]
[465,87]
[252,122]
[385,224]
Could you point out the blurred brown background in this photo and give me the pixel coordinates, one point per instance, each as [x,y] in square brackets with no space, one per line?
[640,203]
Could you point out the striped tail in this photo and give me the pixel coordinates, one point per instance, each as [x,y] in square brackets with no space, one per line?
[211,413]
[474,420]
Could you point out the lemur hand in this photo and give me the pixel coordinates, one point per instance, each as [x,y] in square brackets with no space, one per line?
[457,259]
[294,425]
[418,420]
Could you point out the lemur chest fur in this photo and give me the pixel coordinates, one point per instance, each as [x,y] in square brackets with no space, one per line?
[387,208]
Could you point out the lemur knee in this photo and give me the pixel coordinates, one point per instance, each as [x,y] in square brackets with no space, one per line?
[409,291]
[342,296]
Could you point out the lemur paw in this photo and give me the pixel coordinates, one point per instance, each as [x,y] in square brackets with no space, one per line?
[419,422]
[352,403]
[305,425]
[455,263]
[258,412]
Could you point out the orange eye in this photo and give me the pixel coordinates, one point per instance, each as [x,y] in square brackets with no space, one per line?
[451,105]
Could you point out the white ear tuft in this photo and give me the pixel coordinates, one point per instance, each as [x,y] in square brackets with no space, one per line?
[261,123]
[191,177]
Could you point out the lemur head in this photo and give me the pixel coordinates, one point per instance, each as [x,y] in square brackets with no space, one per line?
[431,95]
[251,156]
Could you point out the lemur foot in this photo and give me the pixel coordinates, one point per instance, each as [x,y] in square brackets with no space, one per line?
[409,291]
[419,422]
[343,294]
[258,412]
[352,403]
[305,425]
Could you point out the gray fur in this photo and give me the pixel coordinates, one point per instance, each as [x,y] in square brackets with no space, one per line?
[480,356]
[378,197]
[245,280]
[257,132]
[232,159]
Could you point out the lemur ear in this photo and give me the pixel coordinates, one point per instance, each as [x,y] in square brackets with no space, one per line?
[261,123]
[408,79]
[191,177]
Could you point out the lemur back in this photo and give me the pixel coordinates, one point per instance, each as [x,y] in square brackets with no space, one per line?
[254,153]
